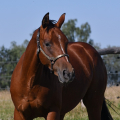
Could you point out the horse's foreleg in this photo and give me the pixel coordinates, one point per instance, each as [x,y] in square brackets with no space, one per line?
[53,115]
[17,115]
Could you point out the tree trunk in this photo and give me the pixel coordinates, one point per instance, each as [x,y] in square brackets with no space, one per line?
[112,50]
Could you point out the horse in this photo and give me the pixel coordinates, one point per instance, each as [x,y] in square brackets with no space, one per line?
[53,75]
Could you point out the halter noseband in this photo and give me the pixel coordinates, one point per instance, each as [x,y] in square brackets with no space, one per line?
[52,59]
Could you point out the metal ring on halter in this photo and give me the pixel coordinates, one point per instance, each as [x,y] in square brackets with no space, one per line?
[52,59]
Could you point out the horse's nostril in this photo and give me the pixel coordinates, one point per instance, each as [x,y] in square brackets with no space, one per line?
[66,74]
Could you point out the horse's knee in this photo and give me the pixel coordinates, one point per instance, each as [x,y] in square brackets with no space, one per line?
[23,106]
[24,110]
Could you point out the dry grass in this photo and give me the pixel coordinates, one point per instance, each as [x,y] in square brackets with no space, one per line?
[78,113]
[112,93]
[6,106]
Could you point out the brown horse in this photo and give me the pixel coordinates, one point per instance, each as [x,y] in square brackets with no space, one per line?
[39,84]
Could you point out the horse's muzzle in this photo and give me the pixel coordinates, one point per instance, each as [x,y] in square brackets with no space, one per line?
[65,76]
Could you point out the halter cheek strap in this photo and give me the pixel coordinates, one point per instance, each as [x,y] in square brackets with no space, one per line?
[52,59]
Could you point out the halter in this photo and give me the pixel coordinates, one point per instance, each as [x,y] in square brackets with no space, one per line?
[52,59]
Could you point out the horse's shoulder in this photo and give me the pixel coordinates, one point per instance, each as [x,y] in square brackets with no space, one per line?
[82,48]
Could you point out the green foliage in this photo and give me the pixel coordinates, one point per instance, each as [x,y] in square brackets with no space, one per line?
[69,29]
[83,32]
[8,61]
[78,34]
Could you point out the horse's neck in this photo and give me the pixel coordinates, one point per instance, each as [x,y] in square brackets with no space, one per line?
[34,72]
[30,64]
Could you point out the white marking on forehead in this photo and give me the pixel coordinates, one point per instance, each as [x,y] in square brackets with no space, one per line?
[59,38]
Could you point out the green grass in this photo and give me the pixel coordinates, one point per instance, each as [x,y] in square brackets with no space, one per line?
[78,113]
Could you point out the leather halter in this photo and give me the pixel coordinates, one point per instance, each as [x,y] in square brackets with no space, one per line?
[52,59]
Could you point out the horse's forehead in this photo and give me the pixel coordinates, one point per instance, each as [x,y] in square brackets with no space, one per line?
[50,33]
[58,33]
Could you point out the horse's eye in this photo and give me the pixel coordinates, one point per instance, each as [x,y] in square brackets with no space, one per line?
[47,44]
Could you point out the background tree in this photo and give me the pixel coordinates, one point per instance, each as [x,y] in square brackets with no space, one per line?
[69,29]
[3,67]
[83,32]
[112,63]
[77,34]
[8,60]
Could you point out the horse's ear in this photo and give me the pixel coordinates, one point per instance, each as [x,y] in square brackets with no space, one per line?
[61,20]
[45,20]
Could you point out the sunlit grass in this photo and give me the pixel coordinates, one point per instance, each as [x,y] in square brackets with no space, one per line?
[78,113]
[6,106]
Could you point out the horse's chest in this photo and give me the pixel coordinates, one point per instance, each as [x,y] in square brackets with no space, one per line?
[38,107]
[38,102]
[40,98]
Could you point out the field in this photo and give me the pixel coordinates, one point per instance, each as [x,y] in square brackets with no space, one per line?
[78,113]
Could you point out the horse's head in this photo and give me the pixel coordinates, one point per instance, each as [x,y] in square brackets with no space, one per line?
[52,45]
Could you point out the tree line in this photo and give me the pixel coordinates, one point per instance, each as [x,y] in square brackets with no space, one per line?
[10,56]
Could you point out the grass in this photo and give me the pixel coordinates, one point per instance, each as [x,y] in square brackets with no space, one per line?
[78,113]
[6,106]
[111,94]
